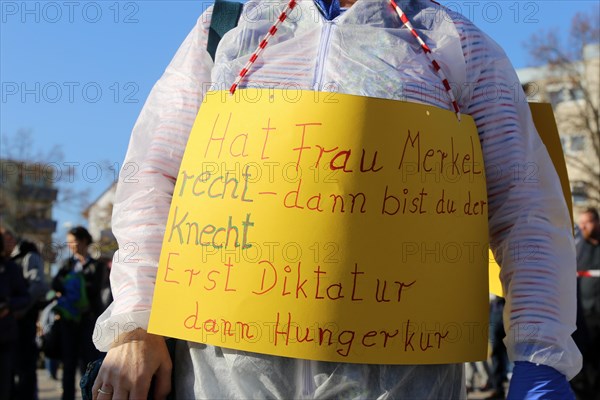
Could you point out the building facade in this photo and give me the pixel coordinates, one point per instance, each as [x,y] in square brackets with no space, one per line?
[27,195]
[574,92]
[99,214]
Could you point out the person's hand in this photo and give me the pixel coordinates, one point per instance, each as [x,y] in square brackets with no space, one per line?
[128,368]
[538,382]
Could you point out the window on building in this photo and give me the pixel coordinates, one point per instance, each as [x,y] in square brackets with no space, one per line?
[555,97]
[576,94]
[577,143]
[579,193]
[36,179]
[558,94]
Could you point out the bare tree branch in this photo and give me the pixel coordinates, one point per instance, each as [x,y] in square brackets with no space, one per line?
[565,65]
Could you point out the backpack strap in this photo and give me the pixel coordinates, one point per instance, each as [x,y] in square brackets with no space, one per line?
[225,16]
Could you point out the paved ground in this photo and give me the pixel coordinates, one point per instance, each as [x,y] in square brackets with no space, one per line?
[49,389]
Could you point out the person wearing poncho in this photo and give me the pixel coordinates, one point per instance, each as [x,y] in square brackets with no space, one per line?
[359,48]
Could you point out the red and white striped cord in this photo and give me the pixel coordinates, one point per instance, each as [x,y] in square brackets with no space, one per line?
[290,6]
[428,53]
[590,273]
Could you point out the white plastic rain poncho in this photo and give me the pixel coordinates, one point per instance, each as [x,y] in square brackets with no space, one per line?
[367,52]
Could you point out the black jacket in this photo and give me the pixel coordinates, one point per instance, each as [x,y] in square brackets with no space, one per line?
[588,258]
[14,297]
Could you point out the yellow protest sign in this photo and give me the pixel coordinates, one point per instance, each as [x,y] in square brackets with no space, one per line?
[328,227]
[543,118]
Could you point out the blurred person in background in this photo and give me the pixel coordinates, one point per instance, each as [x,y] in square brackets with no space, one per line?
[14,298]
[78,284]
[46,320]
[26,255]
[476,373]
[586,384]
[105,291]
[498,374]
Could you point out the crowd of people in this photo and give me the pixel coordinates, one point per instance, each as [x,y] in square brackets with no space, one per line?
[54,315]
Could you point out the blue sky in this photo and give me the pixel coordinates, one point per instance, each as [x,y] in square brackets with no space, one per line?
[76,73]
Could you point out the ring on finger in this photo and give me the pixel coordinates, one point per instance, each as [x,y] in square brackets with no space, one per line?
[104,392]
